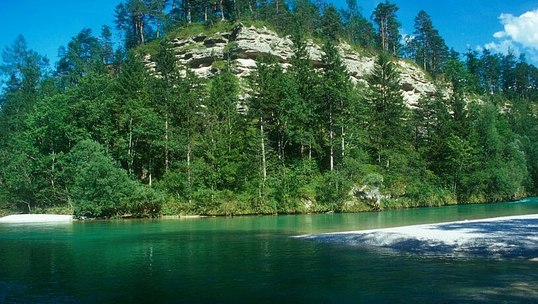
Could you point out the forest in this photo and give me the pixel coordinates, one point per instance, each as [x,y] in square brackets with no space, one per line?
[99,135]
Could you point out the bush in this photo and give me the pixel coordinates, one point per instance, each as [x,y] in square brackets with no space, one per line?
[373,180]
[101,189]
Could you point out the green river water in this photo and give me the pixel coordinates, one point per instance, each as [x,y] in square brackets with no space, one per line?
[252,260]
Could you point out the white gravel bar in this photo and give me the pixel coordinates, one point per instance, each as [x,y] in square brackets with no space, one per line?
[513,236]
[35,218]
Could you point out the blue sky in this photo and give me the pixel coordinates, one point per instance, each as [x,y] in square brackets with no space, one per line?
[46,25]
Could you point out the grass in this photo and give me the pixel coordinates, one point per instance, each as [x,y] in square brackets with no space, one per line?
[257,24]
[219,64]
[151,47]
[427,75]
[195,29]
[187,31]
[361,49]
[64,210]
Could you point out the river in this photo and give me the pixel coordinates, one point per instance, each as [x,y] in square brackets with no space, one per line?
[252,260]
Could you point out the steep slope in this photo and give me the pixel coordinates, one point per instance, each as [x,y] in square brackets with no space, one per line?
[205,53]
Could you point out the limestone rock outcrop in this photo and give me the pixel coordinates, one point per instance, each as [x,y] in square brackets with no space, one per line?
[205,55]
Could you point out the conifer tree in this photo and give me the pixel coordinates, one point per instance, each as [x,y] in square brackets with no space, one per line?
[305,111]
[83,54]
[429,50]
[137,119]
[336,98]
[388,118]
[357,28]
[222,140]
[166,91]
[388,27]
[331,23]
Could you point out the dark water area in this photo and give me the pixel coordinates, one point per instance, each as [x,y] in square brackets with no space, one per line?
[252,260]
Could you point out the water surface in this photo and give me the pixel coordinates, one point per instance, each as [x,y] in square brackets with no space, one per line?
[251,259]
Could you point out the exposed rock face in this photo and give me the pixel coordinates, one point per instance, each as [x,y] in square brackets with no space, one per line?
[205,55]
[371,195]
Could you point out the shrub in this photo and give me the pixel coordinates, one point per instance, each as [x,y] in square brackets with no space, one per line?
[101,189]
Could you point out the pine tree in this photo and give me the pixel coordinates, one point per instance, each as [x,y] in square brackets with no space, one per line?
[388,118]
[138,122]
[388,26]
[222,140]
[331,23]
[84,53]
[490,72]
[107,46]
[305,112]
[508,74]
[132,20]
[166,91]
[157,15]
[430,50]
[357,28]
[336,98]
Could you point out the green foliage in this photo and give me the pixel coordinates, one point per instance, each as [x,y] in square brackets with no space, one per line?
[385,18]
[357,29]
[101,136]
[219,64]
[388,115]
[101,189]
[428,48]
[83,54]
[331,24]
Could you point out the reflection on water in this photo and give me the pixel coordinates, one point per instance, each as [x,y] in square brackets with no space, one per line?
[250,259]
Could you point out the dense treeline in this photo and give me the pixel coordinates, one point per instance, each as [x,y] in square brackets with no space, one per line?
[99,136]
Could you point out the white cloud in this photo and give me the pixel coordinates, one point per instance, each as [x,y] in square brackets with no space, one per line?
[499,35]
[405,35]
[520,35]
[504,47]
[522,29]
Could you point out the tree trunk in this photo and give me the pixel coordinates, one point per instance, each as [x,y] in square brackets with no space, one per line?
[383,33]
[222,19]
[238,15]
[189,150]
[331,138]
[379,157]
[343,142]
[264,167]
[130,151]
[166,152]
[52,168]
[150,173]
[142,40]
[189,19]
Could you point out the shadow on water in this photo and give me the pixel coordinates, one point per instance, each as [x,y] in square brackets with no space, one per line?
[514,238]
[253,260]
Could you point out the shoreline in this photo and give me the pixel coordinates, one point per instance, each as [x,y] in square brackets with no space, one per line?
[498,237]
[205,216]
[36,218]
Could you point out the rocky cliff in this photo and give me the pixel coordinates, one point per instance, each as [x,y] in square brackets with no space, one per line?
[205,55]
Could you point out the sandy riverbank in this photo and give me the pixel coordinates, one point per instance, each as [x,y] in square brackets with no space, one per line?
[35,218]
[514,236]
